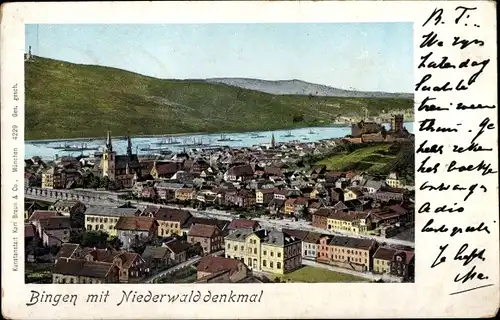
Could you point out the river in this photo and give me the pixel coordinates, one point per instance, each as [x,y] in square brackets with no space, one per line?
[47,150]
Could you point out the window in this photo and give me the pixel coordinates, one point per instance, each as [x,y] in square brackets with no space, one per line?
[242,248]
[105,220]
[100,220]
[101,226]
[264,252]
[279,254]
[255,251]
[271,264]
[264,263]
[278,265]
[272,254]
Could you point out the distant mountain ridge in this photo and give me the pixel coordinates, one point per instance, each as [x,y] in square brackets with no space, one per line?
[299,87]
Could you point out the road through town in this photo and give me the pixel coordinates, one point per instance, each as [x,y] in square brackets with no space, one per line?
[264,222]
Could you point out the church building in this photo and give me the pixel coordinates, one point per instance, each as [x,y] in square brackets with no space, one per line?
[119,168]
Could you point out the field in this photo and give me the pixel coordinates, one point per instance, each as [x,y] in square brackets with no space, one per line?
[314,275]
[66,100]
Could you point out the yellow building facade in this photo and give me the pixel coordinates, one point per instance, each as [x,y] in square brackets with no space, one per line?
[266,251]
[105,219]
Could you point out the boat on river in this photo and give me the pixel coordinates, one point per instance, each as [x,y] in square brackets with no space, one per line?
[223,137]
[288,135]
[168,141]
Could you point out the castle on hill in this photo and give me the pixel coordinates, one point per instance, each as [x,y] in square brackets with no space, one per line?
[375,132]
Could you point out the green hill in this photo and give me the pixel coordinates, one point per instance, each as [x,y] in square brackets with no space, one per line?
[66,100]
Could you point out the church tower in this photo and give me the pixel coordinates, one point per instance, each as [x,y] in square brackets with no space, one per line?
[129,148]
[273,141]
[108,159]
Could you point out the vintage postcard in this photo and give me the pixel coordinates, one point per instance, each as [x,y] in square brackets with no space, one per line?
[255,159]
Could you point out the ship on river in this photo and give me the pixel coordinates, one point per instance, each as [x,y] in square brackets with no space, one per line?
[223,137]
[83,147]
[168,141]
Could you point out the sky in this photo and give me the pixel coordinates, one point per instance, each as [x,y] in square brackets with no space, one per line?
[355,56]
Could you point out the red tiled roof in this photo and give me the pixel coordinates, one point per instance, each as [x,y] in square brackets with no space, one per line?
[42,214]
[135,223]
[384,254]
[213,264]
[202,230]
[243,224]
[167,167]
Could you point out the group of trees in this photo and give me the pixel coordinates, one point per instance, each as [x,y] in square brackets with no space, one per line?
[91,181]
[98,239]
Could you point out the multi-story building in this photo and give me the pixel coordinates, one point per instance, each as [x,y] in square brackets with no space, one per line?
[208,236]
[280,253]
[346,252]
[382,260]
[170,221]
[52,179]
[262,250]
[185,194]
[264,196]
[80,271]
[353,222]
[394,180]
[105,218]
[135,230]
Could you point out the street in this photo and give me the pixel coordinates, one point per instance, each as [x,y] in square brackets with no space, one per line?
[264,222]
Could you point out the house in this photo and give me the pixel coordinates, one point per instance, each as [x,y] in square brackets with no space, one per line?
[208,236]
[323,249]
[289,206]
[394,180]
[310,246]
[372,186]
[171,221]
[336,195]
[105,218]
[352,193]
[73,208]
[53,230]
[185,194]
[276,206]
[135,230]
[52,179]
[177,250]
[320,218]
[403,265]
[131,266]
[280,194]
[238,224]
[170,253]
[241,198]
[166,190]
[219,269]
[351,253]
[31,180]
[353,222]
[80,271]
[264,196]
[240,173]
[221,224]
[30,207]
[382,259]
[262,250]
[164,169]
[281,252]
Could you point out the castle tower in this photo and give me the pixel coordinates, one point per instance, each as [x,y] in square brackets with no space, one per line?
[108,159]
[397,123]
[273,141]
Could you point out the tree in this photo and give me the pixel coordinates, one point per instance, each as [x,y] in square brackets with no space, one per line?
[104,182]
[98,239]
[115,242]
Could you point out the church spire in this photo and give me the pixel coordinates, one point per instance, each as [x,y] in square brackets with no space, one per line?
[109,146]
[129,146]
[273,141]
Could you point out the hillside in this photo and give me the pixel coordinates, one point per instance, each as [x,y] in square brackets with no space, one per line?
[65,100]
[298,87]
[377,159]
